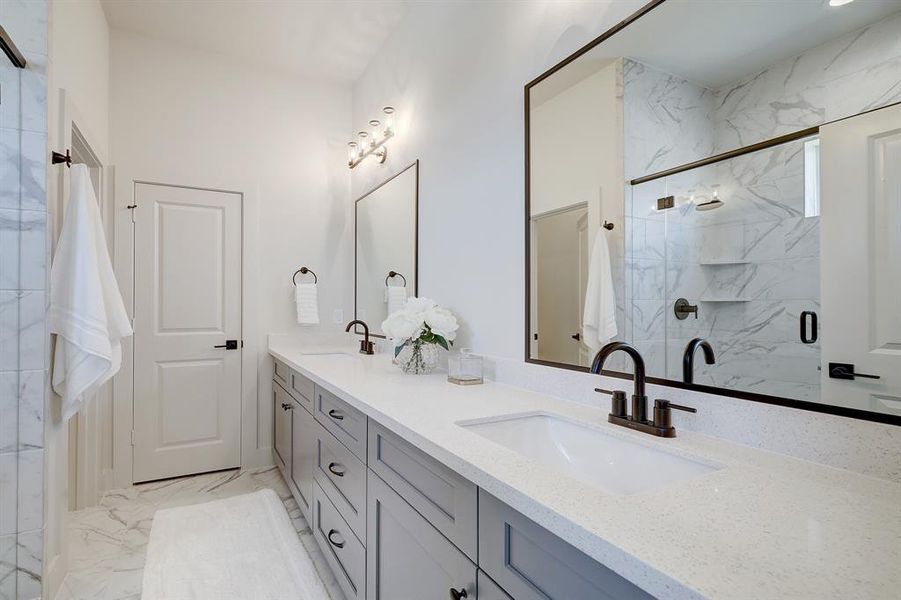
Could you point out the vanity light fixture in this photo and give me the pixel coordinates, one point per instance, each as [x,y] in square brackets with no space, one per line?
[372,144]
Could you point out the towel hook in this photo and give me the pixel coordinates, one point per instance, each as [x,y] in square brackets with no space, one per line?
[304,271]
[608,226]
[395,274]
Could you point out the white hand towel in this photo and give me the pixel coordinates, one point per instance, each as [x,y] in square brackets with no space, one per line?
[306,295]
[599,319]
[86,309]
[397,297]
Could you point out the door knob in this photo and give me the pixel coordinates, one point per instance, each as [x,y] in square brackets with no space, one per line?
[228,345]
[846,371]
[457,594]
[286,406]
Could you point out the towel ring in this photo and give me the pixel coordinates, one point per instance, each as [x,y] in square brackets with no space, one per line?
[304,271]
[607,226]
[395,274]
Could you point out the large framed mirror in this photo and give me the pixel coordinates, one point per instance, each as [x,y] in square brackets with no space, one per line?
[386,247]
[719,185]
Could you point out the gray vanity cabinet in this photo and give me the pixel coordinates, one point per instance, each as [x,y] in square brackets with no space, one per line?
[531,563]
[447,500]
[282,405]
[407,558]
[303,456]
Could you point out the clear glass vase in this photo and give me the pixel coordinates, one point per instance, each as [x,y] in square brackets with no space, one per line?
[418,358]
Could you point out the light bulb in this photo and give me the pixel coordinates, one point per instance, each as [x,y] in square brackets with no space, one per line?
[362,135]
[351,151]
[389,118]
[839,2]
[374,123]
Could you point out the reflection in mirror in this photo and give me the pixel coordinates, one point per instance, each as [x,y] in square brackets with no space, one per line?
[386,247]
[698,131]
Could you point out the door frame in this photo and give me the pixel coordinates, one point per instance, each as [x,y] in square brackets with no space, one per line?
[256,440]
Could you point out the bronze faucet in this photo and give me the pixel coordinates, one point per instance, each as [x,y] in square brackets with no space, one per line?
[661,425]
[365,344]
[688,359]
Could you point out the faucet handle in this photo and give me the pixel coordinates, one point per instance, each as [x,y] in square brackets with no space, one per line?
[618,402]
[663,416]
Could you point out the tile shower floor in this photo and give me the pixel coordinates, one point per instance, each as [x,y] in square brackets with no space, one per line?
[108,543]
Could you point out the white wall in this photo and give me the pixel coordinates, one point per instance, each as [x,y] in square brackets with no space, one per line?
[184,117]
[455,72]
[79,64]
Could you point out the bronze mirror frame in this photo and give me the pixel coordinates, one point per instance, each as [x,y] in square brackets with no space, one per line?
[527,330]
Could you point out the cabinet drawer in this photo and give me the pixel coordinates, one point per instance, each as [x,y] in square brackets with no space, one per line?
[303,454]
[533,564]
[281,372]
[444,498]
[343,421]
[282,405]
[302,388]
[407,558]
[343,551]
[488,590]
[342,477]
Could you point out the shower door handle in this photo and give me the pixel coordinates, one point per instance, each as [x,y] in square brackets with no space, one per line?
[811,337]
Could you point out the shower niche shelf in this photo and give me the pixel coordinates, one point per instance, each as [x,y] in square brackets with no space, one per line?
[723,300]
[714,262]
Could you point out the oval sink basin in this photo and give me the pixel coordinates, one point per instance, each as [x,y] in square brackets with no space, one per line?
[610,463]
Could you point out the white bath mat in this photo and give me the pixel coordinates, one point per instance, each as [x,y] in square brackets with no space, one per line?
[239,548]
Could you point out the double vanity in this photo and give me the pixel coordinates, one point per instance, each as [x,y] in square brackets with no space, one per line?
[418,489]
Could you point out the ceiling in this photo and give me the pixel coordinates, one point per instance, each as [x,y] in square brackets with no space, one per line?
[715,43]
[329,39]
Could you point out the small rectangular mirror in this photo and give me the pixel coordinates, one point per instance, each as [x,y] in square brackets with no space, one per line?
[386,247]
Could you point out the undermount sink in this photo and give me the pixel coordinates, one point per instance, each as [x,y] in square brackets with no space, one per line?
[610,463]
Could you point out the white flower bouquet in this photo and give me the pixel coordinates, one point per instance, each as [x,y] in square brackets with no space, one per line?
[418,329]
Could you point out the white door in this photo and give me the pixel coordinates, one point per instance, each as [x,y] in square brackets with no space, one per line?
[187,397]
[861,259]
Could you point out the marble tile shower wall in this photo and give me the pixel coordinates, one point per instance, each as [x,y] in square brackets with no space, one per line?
[667,123]
[845,76]
[23,276]
[751,266]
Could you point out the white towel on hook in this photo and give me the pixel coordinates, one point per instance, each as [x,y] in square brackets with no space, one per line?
[306,296]
[86,310]
[397,297]
[599,318]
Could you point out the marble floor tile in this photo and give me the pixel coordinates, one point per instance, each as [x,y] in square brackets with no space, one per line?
[108,542]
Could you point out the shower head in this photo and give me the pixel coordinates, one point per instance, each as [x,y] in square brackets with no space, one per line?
[710,204]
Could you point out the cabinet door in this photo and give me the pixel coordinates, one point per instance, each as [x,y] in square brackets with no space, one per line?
[303,454]
[281,409]
[407,558]
[531,563]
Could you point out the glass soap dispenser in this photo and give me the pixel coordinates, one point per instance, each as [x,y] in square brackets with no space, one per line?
[464,368]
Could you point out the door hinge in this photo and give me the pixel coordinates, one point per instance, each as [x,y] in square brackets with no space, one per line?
[132,207]
[132,437]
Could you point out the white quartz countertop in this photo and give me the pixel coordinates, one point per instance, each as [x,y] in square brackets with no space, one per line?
[762,526]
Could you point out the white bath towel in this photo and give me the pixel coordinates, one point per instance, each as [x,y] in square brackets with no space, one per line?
[599,319]
[306,296]
[86,310]
[242,547]
[396,297]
